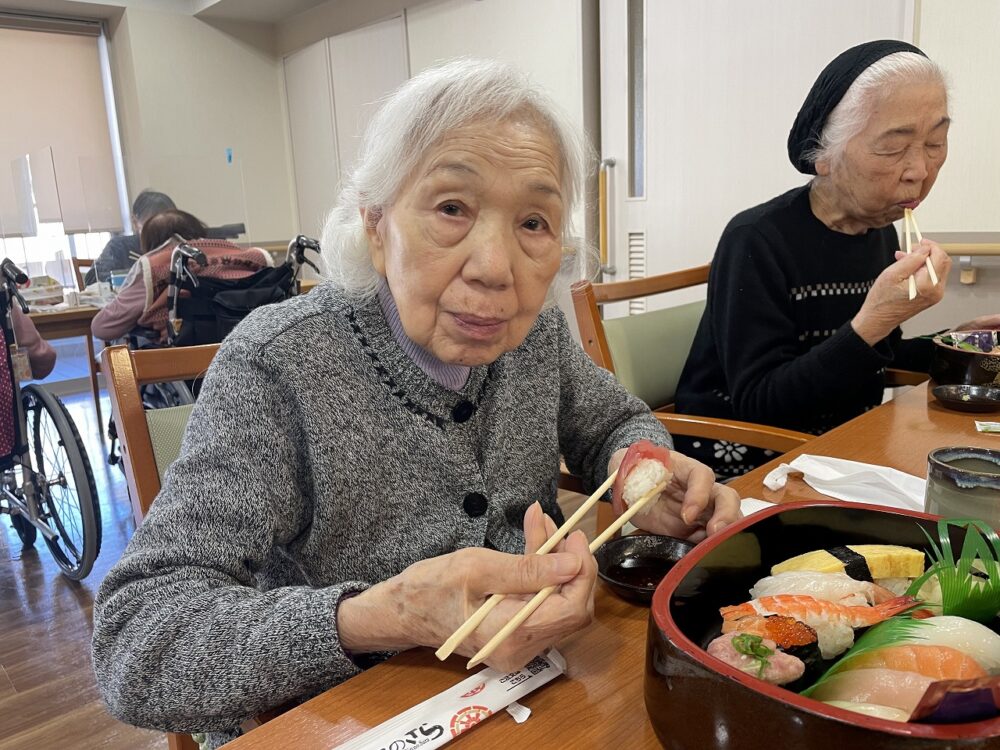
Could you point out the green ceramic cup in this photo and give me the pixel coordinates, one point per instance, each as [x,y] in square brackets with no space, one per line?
[964,483]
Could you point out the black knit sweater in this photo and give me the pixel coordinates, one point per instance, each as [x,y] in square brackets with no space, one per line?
[775,344]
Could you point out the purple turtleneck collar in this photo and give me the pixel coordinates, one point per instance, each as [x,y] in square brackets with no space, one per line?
[452,377]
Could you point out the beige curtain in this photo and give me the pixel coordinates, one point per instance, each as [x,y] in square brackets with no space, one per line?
[54,114]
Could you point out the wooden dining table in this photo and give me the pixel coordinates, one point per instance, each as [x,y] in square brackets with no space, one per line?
[69,323]
[599,702]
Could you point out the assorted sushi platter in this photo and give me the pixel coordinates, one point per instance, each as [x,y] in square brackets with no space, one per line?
[829,624]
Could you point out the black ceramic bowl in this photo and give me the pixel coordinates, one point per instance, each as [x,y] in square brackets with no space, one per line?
[633,566]
[697,701]
[951,365]
[975,398]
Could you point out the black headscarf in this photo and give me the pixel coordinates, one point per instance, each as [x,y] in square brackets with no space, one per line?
[827,92]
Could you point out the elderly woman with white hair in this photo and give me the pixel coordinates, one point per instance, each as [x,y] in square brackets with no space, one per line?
[368,462]
[807,291]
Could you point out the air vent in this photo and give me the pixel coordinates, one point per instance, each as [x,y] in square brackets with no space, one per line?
[637,268]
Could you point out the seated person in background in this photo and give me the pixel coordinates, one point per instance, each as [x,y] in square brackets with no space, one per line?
[367,463]
[142,300]
[807,291]
[122,251]
[41,355]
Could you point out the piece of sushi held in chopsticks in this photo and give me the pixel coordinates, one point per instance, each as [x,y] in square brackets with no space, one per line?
[644,466]
[636,453]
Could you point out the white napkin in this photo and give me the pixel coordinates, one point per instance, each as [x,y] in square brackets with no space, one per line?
[853,481]
[750,505]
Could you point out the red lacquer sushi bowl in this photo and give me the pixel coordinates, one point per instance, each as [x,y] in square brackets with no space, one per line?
[696,702]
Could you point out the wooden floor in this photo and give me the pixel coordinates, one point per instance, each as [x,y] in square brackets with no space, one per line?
[48,698]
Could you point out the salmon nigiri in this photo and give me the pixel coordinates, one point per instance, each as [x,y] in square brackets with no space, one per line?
[937,662]
[834,623]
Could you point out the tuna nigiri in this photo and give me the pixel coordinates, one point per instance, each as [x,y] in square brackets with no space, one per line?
[757,656]
[645,465]
[936,662]
[834,623]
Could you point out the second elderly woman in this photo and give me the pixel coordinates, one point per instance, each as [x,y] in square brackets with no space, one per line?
[807,291]
[366,463]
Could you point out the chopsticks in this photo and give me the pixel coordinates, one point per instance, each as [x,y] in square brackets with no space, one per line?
[908,222]
[541,596]
[479,615]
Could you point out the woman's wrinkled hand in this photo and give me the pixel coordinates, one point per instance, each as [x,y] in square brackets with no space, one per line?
[982,323]
[692,506]
[427,602]
[888,302]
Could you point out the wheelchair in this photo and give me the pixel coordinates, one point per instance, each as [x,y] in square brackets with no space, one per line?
[46,486]
[203,310]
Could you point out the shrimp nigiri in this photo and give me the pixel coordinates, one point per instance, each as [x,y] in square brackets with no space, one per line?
[834,623]
[834,587]
[936,662]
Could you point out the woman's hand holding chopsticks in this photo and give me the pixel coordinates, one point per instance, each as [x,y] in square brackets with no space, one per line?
[429,600]
[888,303]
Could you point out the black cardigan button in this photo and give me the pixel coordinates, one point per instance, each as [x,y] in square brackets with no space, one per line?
[475,504]
[463,411]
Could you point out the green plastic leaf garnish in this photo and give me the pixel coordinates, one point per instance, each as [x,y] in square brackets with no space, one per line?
[967,591]
[753,646]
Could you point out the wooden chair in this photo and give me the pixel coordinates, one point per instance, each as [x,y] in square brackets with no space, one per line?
[151,440]
[80,268]
[647,352]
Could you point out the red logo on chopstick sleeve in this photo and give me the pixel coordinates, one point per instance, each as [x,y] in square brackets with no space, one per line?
[475,691]
[467,718]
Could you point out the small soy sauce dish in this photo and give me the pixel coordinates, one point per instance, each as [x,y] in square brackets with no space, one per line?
[633,566]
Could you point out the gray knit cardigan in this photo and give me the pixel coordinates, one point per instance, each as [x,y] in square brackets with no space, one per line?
[318,461]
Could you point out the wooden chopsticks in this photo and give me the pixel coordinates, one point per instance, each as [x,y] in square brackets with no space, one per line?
[541,596]
[908,222]
[463,632]
[479,615]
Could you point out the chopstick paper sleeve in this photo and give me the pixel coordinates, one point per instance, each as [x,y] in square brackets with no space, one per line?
[438,720]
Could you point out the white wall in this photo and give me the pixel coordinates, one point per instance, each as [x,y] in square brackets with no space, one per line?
[542,37]
[186,92]
[964,38]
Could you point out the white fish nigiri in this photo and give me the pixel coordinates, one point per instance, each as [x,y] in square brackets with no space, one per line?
[883,687]
[872,709]
[967,636]
[832,587]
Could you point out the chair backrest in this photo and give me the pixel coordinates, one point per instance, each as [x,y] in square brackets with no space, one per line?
[150,440]
[647,351]
[80,268]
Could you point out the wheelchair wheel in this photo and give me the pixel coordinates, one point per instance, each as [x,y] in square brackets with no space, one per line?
[67,496]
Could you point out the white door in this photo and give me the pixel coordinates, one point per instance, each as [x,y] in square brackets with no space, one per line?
[309,92]
[697,99]
[333,88]
[365,65]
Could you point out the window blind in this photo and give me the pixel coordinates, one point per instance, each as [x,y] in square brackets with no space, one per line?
[55,116]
